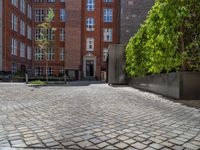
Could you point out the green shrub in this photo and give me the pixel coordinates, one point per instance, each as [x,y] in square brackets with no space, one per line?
[169,39]
[37,82]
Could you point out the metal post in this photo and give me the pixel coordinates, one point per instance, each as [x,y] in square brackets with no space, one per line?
[26,78]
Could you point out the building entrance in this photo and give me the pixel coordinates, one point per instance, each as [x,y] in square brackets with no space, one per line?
[89,68]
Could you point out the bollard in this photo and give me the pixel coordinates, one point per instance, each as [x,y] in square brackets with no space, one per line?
[26,78]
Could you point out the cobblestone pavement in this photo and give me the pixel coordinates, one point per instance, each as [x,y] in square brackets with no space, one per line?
[94,116]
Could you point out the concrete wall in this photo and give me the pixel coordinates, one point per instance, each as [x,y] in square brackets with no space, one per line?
[133,13]
[179,85]
[1,40]
[116,64]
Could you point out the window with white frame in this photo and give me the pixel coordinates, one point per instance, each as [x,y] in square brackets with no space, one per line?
[90,5]
[50,71]
[62,15]
[22,6]
[105,54]
[108,1]
[37,33]
[39,71]
[50,54]
[22,27]
[62,54]
[39,15]
[14,2]
[22,49]
[29,11]
[14,46]
[14,67]
[39,54]
[14,23]
[50,35]
[50,1]
[29,53]
[107,35]
[62,34]
[29,32]
[108,15]
[90,24]
[62,71]
[90,44]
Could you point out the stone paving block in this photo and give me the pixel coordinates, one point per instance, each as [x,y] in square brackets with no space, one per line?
[156,146]
[105,117]
[84,144]
[191,146]
[102,145]
[121,145]
[139,145]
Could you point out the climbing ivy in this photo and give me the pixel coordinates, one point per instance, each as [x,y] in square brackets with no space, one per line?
[169,39]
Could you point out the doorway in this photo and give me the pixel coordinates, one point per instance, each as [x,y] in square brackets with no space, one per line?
[89,68]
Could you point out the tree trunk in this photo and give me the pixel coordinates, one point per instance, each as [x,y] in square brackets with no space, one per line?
[46,61]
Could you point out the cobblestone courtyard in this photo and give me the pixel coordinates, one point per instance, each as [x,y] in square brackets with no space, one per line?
[94,116]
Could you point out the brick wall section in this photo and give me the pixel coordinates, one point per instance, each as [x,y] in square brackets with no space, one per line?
[1,26]
[56,64]
[8,58]
[133,13]
[73,34]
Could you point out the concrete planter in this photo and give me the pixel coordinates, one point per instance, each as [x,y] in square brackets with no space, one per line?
[179,85]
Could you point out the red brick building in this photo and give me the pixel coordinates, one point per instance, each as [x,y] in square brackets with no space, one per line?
[17,36]
[85,28]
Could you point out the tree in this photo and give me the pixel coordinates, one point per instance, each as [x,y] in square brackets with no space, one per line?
[44,42]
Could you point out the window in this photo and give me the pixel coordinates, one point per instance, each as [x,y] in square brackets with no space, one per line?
[39,54]
[62,72]
[50,54]
[90,5]
[22,49]
[29,10]
[90,24]
[14,2]
[14,22]
[22,6]
[50,35]
[39,15]
[37,34]
[50,71]
[50,1]
[39,1]
[62,0]
[108,15]
[90,44]
[62,54]
[22,27]
[62,15]
[29,32]
[14,46]
[39,71]
[62,34]
[108,1]
[29,53]
[14,67]
[105,54]
[107,35]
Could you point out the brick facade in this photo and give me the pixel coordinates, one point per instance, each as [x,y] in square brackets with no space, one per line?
[1,39]
[56,64]
[21,63]
[73,29]
[78,62]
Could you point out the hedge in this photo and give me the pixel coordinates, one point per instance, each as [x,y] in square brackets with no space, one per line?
[169,39]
